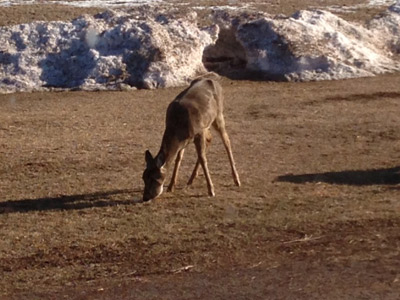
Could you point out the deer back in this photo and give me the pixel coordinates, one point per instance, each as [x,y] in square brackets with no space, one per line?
[195,109]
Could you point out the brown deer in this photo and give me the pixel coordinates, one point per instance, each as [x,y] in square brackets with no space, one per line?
[189,118]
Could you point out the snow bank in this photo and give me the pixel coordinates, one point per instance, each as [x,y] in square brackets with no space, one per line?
[314,45]
[310,45]
[103,52]
[387,27]
[147,50]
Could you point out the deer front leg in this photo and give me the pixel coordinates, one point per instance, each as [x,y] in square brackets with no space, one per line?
[196,167]
[227,144]
[174,177]
[200,143]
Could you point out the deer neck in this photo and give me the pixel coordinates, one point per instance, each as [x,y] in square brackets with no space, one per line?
[169,148]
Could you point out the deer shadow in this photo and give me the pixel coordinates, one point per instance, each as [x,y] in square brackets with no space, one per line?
[71,202]
[386,176]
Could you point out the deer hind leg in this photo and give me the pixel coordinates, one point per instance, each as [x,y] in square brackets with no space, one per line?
[219,125]
[174,177]
[196,167]
[200,143]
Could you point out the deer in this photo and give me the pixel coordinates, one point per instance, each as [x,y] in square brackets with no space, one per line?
[189,117]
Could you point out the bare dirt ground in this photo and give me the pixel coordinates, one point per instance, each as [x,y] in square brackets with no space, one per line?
[317,215]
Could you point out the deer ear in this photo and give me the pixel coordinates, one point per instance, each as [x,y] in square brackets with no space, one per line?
[160,161]
[149,158]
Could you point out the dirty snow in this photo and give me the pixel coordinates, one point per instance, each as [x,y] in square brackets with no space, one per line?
[108,51]
[318,45]
[144,49]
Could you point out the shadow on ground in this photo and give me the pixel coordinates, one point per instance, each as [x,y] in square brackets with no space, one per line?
[71,202]
[365,97]
[389,176]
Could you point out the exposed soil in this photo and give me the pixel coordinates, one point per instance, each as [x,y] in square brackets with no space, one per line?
[27,13]
[317,215]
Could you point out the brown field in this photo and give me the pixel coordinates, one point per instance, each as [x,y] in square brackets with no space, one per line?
[317,215]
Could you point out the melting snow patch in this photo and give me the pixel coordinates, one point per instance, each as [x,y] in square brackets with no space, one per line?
[354,8]
[80,3]
[381,2]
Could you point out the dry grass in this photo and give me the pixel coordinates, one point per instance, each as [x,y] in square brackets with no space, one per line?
[24,14]
[318,162]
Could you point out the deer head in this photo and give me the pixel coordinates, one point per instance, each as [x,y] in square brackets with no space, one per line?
[153,176]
